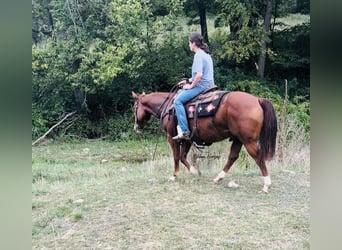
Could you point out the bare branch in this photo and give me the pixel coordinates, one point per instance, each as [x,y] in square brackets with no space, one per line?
[47,132]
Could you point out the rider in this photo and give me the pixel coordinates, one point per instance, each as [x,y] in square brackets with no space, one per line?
[202,79]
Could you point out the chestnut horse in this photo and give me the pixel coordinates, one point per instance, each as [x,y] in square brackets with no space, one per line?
[243,118]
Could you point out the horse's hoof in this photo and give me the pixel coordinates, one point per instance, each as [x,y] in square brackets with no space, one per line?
[172,178]
[217,180]
[264,190]
[219,177]
[195,171]
[232,184]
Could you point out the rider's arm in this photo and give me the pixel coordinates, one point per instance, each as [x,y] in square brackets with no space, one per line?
[193,82]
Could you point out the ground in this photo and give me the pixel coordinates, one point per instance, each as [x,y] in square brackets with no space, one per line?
[85,196]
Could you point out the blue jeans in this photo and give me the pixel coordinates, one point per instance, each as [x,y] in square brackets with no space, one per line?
[182,97]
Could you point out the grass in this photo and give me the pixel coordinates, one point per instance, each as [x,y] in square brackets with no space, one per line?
[104,195]
[292,20]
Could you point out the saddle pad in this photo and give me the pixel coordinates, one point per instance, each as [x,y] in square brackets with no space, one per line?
[206,108]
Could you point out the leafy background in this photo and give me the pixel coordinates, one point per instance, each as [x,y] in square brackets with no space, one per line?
[87,56]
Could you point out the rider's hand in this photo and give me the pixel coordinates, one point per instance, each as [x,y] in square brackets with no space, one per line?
[187,86]
[181,83]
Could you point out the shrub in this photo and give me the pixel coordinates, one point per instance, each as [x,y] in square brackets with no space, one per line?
[121,128]
[39,124]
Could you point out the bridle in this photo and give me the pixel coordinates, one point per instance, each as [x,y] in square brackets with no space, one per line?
[135,107]
[160,112]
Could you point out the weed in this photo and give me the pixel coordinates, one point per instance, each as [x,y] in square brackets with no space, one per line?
[77,217]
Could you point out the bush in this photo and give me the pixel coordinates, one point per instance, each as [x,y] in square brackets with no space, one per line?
[121,128]
[39,124]
[293,143]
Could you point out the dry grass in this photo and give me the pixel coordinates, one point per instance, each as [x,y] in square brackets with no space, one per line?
[84,196]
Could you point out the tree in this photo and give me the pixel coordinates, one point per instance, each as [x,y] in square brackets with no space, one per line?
[96,53]
[88,55]
[242,44]
[42,20]
[267,28]
[203,19]
[197,10]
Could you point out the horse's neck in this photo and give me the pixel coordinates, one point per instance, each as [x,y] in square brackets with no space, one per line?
[156,102]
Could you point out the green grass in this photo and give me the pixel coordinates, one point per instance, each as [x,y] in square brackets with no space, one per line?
[80,201]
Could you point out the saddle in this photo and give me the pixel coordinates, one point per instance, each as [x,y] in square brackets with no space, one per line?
[204,105]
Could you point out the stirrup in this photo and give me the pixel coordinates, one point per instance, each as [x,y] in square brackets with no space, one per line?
[181,135]
[185,136]
[199,146]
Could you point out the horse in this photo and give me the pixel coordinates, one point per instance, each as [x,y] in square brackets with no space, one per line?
[241,117]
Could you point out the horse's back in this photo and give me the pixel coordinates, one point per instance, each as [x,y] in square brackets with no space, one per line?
[242,102]
[243,112]
[242,98]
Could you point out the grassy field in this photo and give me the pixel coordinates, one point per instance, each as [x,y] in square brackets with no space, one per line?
[106,195]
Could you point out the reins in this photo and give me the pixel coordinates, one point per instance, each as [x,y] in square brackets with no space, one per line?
[167,102]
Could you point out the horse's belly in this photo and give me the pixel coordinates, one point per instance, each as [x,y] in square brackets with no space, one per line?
[211,133]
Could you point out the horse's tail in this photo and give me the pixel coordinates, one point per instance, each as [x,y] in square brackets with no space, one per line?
[268,133]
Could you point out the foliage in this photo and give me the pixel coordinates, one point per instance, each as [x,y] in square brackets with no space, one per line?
[88,56]
[86,71]
[39,124]
[243,41]
[292,6]
[300,110]
[291,55]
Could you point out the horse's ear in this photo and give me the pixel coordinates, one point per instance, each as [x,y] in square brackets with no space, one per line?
[143,93]
[134,95]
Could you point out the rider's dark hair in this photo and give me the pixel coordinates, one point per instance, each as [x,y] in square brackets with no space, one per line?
[199,41]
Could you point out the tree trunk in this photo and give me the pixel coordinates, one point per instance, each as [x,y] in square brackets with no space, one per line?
[203,20]
[267,25]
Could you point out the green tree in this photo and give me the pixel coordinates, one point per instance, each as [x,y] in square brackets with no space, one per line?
[197,10]
[89,55]
[91,64]
[243,37]
[265,38]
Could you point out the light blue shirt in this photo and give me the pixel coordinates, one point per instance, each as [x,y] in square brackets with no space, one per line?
[203,63]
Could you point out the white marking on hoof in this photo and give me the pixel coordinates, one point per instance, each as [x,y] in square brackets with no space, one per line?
[172,178]
[267,180]
[265,189]
[194,171]
[220,176]
[267,183]
[232,184]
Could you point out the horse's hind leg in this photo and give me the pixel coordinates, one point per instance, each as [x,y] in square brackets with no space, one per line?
[253,150]
[185,147]
[233,155]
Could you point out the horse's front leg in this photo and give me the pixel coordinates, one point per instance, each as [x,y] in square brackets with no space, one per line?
[185,147]
[176,156]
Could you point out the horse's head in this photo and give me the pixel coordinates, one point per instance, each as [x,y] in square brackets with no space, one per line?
[140,114]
